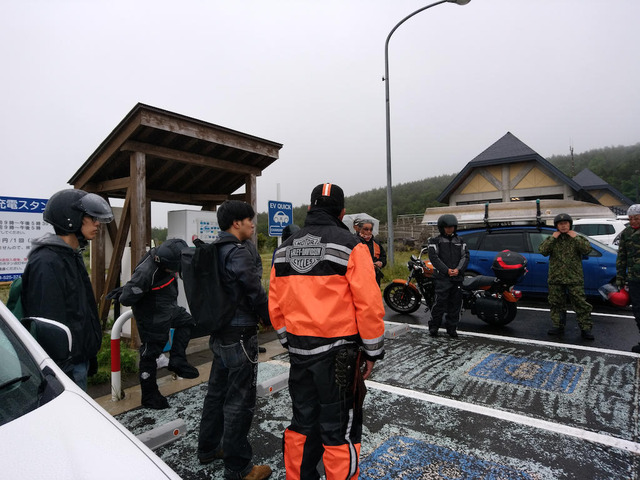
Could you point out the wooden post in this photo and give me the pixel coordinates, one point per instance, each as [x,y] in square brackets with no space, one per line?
[138,209]
[251,198]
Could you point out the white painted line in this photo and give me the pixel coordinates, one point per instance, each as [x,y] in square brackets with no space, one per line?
[593,314]
[536,342]
[619,443]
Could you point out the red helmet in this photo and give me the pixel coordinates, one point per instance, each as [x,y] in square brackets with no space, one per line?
[614,295]
[620,298]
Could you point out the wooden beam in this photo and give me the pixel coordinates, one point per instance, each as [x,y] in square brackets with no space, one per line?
[115,265]
[184,198]
[138,207]
[189,158]
[252,199]
[97,263]
[109,185]
[111,146]
[139,221]
[211,133]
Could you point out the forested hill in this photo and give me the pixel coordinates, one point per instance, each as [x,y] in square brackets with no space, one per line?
[618,166]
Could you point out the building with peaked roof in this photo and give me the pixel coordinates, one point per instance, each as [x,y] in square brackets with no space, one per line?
[603,192]
[509,171]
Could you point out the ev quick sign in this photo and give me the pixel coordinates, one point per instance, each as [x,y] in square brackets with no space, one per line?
[280,215]
[20,222]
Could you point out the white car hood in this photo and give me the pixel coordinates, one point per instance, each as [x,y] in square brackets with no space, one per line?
[69,438]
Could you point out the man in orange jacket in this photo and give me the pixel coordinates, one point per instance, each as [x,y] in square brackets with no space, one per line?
[326,307]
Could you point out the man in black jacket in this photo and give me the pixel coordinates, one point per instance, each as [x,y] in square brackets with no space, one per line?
[55,283]
[449,255]
[152,293]
[231,395]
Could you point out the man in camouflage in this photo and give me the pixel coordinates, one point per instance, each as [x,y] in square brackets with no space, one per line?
[628,262]
[565,249]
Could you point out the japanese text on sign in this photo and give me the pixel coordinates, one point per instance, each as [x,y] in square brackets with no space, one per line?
[20,223]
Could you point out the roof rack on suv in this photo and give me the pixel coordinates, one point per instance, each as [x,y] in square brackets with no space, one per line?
[516,213]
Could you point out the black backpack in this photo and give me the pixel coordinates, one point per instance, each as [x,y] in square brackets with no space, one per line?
[207,294]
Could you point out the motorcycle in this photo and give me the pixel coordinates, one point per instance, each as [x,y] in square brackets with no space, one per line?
[492,299]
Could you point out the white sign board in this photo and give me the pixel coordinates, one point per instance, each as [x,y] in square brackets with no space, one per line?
[20,223]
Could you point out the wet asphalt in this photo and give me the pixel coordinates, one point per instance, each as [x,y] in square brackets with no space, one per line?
[484,405]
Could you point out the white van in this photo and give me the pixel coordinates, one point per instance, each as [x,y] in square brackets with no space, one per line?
[49,427]
[604,230]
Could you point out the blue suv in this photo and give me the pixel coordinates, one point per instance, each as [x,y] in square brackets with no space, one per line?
[599,265]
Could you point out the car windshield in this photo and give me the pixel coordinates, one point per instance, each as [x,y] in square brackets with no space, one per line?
[599,244]
[20,377]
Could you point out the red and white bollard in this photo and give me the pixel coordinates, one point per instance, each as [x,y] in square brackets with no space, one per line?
[116,375]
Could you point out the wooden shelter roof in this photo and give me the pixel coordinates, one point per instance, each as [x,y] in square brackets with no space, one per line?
[187,160]
[154,155]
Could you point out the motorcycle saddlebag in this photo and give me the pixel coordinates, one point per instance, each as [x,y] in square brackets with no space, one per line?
[509,266]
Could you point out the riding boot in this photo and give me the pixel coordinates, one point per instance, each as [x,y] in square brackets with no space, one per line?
[151,396]
[178,363]
[559,329]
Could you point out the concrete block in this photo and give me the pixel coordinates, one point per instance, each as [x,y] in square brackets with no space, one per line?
[393,331]
[273,384]
[164,434]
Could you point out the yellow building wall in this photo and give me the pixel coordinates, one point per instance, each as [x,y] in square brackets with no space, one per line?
[536,178]
[478,184]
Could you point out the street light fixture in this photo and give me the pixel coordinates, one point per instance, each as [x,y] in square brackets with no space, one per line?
[386,88]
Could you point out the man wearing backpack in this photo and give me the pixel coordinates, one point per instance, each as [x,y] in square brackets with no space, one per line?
[152,294]
[231,395]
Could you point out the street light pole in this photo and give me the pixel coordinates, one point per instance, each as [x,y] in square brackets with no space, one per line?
[390,246]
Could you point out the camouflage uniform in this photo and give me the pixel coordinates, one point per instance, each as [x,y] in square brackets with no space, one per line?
[628,267]
[566,278]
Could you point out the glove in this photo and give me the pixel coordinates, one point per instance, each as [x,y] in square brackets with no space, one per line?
[115,294]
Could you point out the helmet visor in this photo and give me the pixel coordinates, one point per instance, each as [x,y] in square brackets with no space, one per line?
[97,207]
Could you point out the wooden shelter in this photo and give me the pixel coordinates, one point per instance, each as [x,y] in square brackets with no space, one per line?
[154,155]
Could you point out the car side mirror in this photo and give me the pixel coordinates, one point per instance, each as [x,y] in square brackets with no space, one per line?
[54,337]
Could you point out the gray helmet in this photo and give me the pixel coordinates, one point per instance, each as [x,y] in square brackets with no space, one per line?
[168,254]
[634,209]
[563,217]
[447,220]
[65,210]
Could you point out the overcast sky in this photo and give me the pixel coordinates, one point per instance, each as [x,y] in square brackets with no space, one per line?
[308,74]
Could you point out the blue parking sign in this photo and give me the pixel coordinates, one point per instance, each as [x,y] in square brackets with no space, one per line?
[280,215]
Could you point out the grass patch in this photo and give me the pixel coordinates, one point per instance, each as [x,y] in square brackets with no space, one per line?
[128,361]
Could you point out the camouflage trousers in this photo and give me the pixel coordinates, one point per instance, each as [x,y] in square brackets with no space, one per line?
[558,296]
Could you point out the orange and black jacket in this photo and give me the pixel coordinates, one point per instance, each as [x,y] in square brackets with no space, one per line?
[323,293]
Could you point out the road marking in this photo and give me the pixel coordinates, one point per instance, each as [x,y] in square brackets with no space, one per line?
[619,443]
[598,314]
[537,342]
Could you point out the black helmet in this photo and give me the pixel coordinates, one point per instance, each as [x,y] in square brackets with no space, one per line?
[289,230]
[65,210]
[447,220]
[168,254]
[563,217]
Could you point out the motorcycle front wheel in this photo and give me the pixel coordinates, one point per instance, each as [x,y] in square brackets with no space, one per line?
[400,298]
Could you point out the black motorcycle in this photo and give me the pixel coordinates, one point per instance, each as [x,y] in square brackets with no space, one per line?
[491,299]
